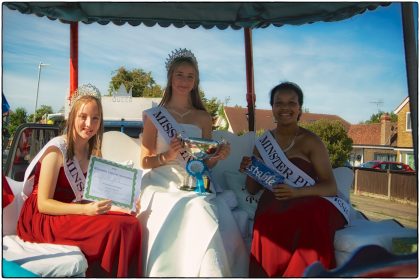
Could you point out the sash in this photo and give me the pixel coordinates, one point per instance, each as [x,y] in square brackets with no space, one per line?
[168,127]
[275,158]
[72,170]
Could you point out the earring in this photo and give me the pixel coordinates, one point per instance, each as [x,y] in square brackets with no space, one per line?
[274,120]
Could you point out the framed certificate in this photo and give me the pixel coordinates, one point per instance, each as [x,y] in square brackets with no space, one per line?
[110,180]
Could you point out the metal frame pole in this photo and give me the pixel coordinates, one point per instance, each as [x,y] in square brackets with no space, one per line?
[250,95]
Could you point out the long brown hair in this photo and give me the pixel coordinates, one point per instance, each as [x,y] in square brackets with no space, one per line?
[95,143]
[195,93]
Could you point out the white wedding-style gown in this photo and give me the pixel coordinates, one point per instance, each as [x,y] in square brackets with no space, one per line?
[186,234]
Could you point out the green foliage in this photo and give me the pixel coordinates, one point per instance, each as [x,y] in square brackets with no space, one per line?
[376,118]
[40,112]
[335,138]
[213,106]
[141,83]
[16,118]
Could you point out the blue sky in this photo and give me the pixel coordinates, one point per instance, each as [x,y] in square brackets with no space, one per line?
[344,67]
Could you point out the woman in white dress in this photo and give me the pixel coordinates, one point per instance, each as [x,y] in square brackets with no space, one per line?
[185,234]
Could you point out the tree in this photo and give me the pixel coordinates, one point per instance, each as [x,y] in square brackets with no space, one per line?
[141,83]
[376,118]
[16,118]
[335,138]
[213,105]
[40,112]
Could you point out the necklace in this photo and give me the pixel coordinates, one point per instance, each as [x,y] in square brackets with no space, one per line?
[292,143]
[179,114]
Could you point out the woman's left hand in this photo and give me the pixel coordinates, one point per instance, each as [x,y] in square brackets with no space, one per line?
[223,152]
[283,192]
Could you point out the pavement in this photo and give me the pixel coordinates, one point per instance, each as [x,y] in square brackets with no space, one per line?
[380,209]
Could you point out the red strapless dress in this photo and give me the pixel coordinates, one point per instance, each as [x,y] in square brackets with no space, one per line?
[290,235]
[110,242]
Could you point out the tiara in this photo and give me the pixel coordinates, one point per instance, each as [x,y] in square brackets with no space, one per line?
[178,53]
[85,90]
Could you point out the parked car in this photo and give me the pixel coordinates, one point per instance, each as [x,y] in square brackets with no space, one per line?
[387,165]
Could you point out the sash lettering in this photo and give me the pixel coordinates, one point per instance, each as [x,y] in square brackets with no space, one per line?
[275,158]
[168,127]
[75,175]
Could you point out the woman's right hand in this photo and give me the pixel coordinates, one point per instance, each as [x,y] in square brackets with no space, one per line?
[174,147]
[97,207]
[246,161]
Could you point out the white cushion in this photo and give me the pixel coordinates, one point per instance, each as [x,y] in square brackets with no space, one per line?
[120,147]
[344,179]
[239,146]
[46,260]
[246,201]
[229,197]
[365,232]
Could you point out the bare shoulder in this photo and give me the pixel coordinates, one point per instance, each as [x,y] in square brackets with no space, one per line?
[204,120]
[202,115]
[52,154]
[310,138]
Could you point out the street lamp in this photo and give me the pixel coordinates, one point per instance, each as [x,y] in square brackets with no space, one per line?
[37,88]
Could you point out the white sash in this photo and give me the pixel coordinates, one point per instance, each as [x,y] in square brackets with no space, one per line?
[275,158]
[72,170]
[168,127]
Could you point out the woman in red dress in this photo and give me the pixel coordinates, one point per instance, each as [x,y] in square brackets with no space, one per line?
[294,227]
[110,240]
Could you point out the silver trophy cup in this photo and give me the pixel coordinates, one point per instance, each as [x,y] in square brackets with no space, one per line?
[200,149]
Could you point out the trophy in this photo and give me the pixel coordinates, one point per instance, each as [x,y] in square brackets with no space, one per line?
[200,149]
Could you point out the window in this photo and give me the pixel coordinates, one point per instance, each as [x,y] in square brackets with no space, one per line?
[408,121]
[385,157]
[396,166]
[384,166]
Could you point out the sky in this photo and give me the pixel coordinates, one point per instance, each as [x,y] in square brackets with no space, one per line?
[350,68]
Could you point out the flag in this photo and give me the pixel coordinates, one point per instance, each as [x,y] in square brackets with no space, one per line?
[8,195]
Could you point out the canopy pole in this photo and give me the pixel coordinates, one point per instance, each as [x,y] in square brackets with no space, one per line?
[411,64]
[74,57]
[250,94]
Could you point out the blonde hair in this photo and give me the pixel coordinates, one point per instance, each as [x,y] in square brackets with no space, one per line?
[195,93]
[95,143]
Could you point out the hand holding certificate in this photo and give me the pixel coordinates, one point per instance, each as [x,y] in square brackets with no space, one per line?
[110,180]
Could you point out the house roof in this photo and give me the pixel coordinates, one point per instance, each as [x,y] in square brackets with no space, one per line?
[405,101]
[238,119]
[365,134]
[369,134]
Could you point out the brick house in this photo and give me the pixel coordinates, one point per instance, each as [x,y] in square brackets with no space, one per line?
[376,141]
[404,147]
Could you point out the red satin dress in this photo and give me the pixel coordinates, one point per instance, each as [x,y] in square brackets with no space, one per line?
[290,235]
[111,242]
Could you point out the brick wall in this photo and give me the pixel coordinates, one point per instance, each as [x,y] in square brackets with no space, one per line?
[405,138]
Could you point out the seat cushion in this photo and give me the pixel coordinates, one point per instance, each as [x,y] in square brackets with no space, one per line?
[364,232]
[239,146]
[46,260]
[246,201]
[126,150]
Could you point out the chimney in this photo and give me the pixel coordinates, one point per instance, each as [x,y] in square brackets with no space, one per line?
[385,129]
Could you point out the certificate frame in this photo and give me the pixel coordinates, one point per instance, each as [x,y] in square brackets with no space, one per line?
[92,181]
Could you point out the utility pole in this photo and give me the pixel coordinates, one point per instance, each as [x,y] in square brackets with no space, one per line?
[37,88]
